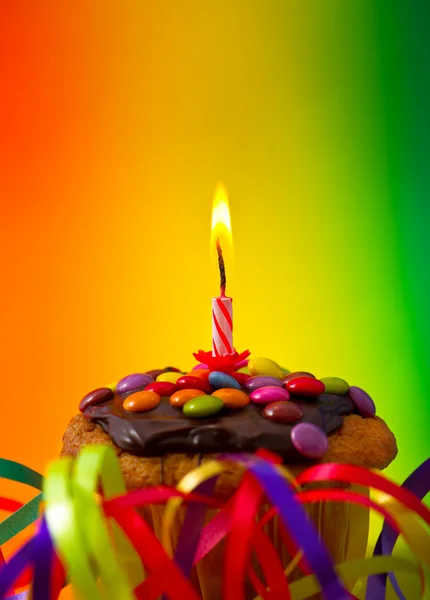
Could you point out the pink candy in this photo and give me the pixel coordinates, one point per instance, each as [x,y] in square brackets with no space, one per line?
[266,395]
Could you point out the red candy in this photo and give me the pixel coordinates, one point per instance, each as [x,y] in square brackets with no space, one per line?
[241,378]
[193,383]
[95,397]
[307,387]
[162,388]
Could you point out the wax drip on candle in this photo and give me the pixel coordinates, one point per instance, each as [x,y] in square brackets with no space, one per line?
[221,268]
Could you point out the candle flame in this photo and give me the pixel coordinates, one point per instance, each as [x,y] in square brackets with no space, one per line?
[221,222]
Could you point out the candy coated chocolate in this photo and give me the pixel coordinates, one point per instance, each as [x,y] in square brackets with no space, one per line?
[200,366]
[296,374]
[232,398]
[244,370]
[241,364]
[170,376]
[266,395]
[156,372]
[283,412]
[362,400]
[196,383]
[219,380]
[133,382]
[201,373]
[141,401]
[162,388]
[181,397]
[96,397]
[306,387]
[203,406]
[335,385]
[241,378]
[166,429]
[259,381]
[308,439]
[265,366]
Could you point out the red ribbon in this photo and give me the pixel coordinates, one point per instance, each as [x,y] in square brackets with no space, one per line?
[361,476]
[237,519]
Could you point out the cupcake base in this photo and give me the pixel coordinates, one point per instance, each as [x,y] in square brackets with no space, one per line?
[343,527]
[346,541]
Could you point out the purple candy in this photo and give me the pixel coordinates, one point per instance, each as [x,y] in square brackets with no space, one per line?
[259,381]
[266,395]
[310,440]
[133,382]
[363,402]
[95,397]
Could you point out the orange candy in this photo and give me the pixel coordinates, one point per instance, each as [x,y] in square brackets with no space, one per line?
[200,373]
[178,399]
[232,398]
[141,401]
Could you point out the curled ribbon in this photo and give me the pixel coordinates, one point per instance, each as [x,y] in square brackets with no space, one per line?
[109,551]
[22,515]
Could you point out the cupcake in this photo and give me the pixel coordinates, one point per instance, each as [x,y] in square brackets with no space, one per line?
[164,423]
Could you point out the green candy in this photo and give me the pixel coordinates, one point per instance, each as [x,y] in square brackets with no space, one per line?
[335,385]
[202,406]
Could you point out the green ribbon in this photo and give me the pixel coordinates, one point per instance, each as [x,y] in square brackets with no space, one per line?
[28,513]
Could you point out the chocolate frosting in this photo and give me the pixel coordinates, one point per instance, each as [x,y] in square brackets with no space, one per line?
[166,429]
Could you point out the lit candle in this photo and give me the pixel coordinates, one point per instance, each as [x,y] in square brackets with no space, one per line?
[223,356]
[222,315]
[222,309]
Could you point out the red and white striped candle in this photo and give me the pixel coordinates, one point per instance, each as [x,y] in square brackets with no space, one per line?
[222,315]
[222,326]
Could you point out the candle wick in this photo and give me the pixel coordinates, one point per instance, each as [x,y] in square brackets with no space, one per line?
[221,268]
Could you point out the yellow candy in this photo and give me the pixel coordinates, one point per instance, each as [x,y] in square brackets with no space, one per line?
[244,370]
[170,376]
[112,386]
[265,366]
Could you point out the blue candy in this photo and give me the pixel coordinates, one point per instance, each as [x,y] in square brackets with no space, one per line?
[220,380]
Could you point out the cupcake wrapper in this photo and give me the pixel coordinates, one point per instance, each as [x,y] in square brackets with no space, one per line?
[343,528]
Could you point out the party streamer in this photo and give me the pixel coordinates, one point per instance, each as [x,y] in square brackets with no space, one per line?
[108,551]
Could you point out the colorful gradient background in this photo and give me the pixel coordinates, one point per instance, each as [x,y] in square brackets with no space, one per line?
[119,118]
